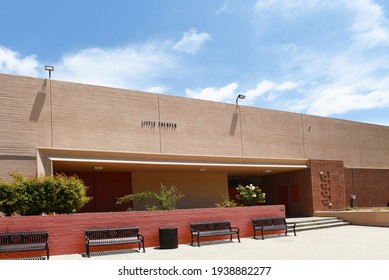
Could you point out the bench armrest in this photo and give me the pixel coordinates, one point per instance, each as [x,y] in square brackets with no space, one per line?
[235,228]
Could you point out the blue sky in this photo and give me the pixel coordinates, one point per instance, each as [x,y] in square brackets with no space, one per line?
[327,58]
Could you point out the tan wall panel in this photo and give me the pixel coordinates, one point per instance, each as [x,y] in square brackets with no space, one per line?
[374,146]
[26,167]
[203,127]
[100,118]
[200,189]
[89,117]
[332,139]
[24,115]
[271,134]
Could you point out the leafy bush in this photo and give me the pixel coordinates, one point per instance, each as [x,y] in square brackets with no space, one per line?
[165,200]
[8,198]
[250,195]
[45,194]
[226,202]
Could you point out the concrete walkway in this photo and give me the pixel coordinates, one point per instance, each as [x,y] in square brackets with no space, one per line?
[340,243]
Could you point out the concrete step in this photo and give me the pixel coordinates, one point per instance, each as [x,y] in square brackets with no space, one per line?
[313,223]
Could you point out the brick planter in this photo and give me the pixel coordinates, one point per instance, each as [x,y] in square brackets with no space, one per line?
[66,232]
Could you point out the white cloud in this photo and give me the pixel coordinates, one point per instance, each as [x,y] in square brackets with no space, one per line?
[157,89]
[192,41]
[223,94]
[288,85]
[335,80]
[11,62]
[133,66]
[370,24]
[340,100]
[130,67]
[229,92]
[259,90]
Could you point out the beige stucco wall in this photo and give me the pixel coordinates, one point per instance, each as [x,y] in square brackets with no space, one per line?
[203,128]
[54,114]
[360,217]
[200,189]
[271,133]
[99,118]
[24,122]
[359,145]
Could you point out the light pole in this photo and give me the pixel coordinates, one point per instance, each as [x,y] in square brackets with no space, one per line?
[50,69]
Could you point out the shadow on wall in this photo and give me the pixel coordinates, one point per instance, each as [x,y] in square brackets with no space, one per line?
[234,122]
[38,103]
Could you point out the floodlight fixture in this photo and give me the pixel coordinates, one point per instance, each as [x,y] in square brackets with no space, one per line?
[240,96]
[49,68]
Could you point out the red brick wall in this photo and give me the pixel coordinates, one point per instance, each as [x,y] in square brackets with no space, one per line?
[328,184]
[66,232]
[371,187]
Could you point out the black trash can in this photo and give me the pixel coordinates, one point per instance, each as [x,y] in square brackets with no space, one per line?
[168,238]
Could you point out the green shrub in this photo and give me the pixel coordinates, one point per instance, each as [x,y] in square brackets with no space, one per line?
[44,194]
[250,195]
[165,200]
[8,198]
[226,202]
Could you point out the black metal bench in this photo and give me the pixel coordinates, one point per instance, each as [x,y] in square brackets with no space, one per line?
[213,228]
[268,224]
[24,241]
[113,236]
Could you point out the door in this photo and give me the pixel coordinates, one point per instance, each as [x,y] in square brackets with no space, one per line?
[283,197]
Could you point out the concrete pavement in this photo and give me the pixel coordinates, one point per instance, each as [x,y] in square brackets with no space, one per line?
[339,243]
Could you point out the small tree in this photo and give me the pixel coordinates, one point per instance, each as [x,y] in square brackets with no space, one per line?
[165,200]
[250,195]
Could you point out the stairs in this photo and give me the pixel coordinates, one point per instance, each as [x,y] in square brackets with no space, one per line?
[312,223]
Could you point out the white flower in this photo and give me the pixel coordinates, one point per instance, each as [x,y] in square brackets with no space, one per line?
[254,195]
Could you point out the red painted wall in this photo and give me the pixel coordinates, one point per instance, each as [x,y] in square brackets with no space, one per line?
[66,232]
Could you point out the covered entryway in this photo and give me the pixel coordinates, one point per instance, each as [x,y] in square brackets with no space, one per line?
[203,179]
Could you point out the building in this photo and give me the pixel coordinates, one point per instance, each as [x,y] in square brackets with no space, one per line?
[122,141]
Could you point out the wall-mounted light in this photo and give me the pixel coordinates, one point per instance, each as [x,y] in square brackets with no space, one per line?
[49,68]
[240,96]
